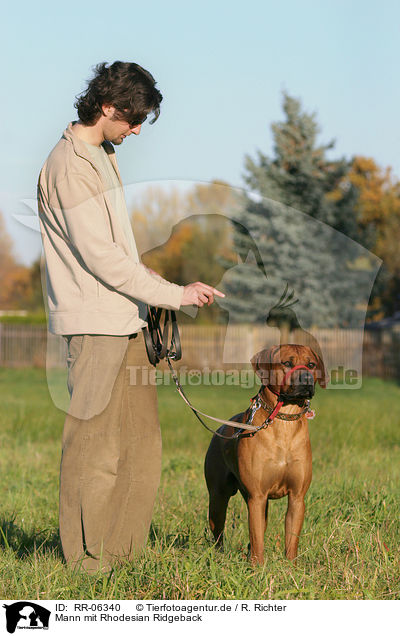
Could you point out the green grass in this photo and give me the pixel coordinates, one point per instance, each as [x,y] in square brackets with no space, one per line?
[349,548]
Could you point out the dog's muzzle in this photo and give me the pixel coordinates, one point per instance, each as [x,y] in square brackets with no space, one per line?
[301,384]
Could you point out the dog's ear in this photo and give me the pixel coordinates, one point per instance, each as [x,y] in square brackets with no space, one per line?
[322,376]
[262,363]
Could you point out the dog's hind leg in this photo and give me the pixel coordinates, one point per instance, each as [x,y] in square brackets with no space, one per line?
[222,485]
[218,505]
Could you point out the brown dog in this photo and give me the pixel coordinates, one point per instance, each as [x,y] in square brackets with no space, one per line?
[276,460]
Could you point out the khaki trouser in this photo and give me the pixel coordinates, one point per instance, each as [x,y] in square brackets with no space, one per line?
[111,452]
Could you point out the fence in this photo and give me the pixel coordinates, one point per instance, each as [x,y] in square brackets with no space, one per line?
[377,353]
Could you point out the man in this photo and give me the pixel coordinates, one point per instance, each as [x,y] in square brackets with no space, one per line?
[97,288]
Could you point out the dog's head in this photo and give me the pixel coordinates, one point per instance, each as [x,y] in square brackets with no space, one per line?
[272,365]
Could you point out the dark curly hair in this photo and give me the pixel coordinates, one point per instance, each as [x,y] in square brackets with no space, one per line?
[126,86]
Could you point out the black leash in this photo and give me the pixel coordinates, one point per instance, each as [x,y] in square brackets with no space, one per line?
[156,341]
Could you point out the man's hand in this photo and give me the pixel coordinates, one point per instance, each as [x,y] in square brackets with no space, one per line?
[199,294]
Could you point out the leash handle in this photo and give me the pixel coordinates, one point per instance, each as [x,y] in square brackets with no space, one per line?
[157,341]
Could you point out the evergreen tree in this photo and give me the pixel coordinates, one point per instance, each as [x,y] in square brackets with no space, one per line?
[301,176]
[300,214]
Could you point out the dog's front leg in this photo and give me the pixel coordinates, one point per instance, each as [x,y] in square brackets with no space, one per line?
[293,524]
[256,508]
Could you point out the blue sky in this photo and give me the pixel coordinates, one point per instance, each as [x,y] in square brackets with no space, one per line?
[221,66]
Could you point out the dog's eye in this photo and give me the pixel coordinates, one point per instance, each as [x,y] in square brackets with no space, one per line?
[287,364]
[311,365]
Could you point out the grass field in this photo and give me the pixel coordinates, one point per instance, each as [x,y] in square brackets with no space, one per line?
[349,548]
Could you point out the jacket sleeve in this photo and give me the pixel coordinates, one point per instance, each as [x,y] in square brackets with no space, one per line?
[79,208]
[156,276]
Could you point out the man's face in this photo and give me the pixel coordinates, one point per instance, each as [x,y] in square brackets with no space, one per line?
[115,130]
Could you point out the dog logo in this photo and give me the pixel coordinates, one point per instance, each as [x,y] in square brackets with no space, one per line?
[26,615]
[297,278]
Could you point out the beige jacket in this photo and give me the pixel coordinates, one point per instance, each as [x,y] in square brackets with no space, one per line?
[94,285]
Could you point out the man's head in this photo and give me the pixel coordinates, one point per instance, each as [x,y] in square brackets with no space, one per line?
[121,95]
